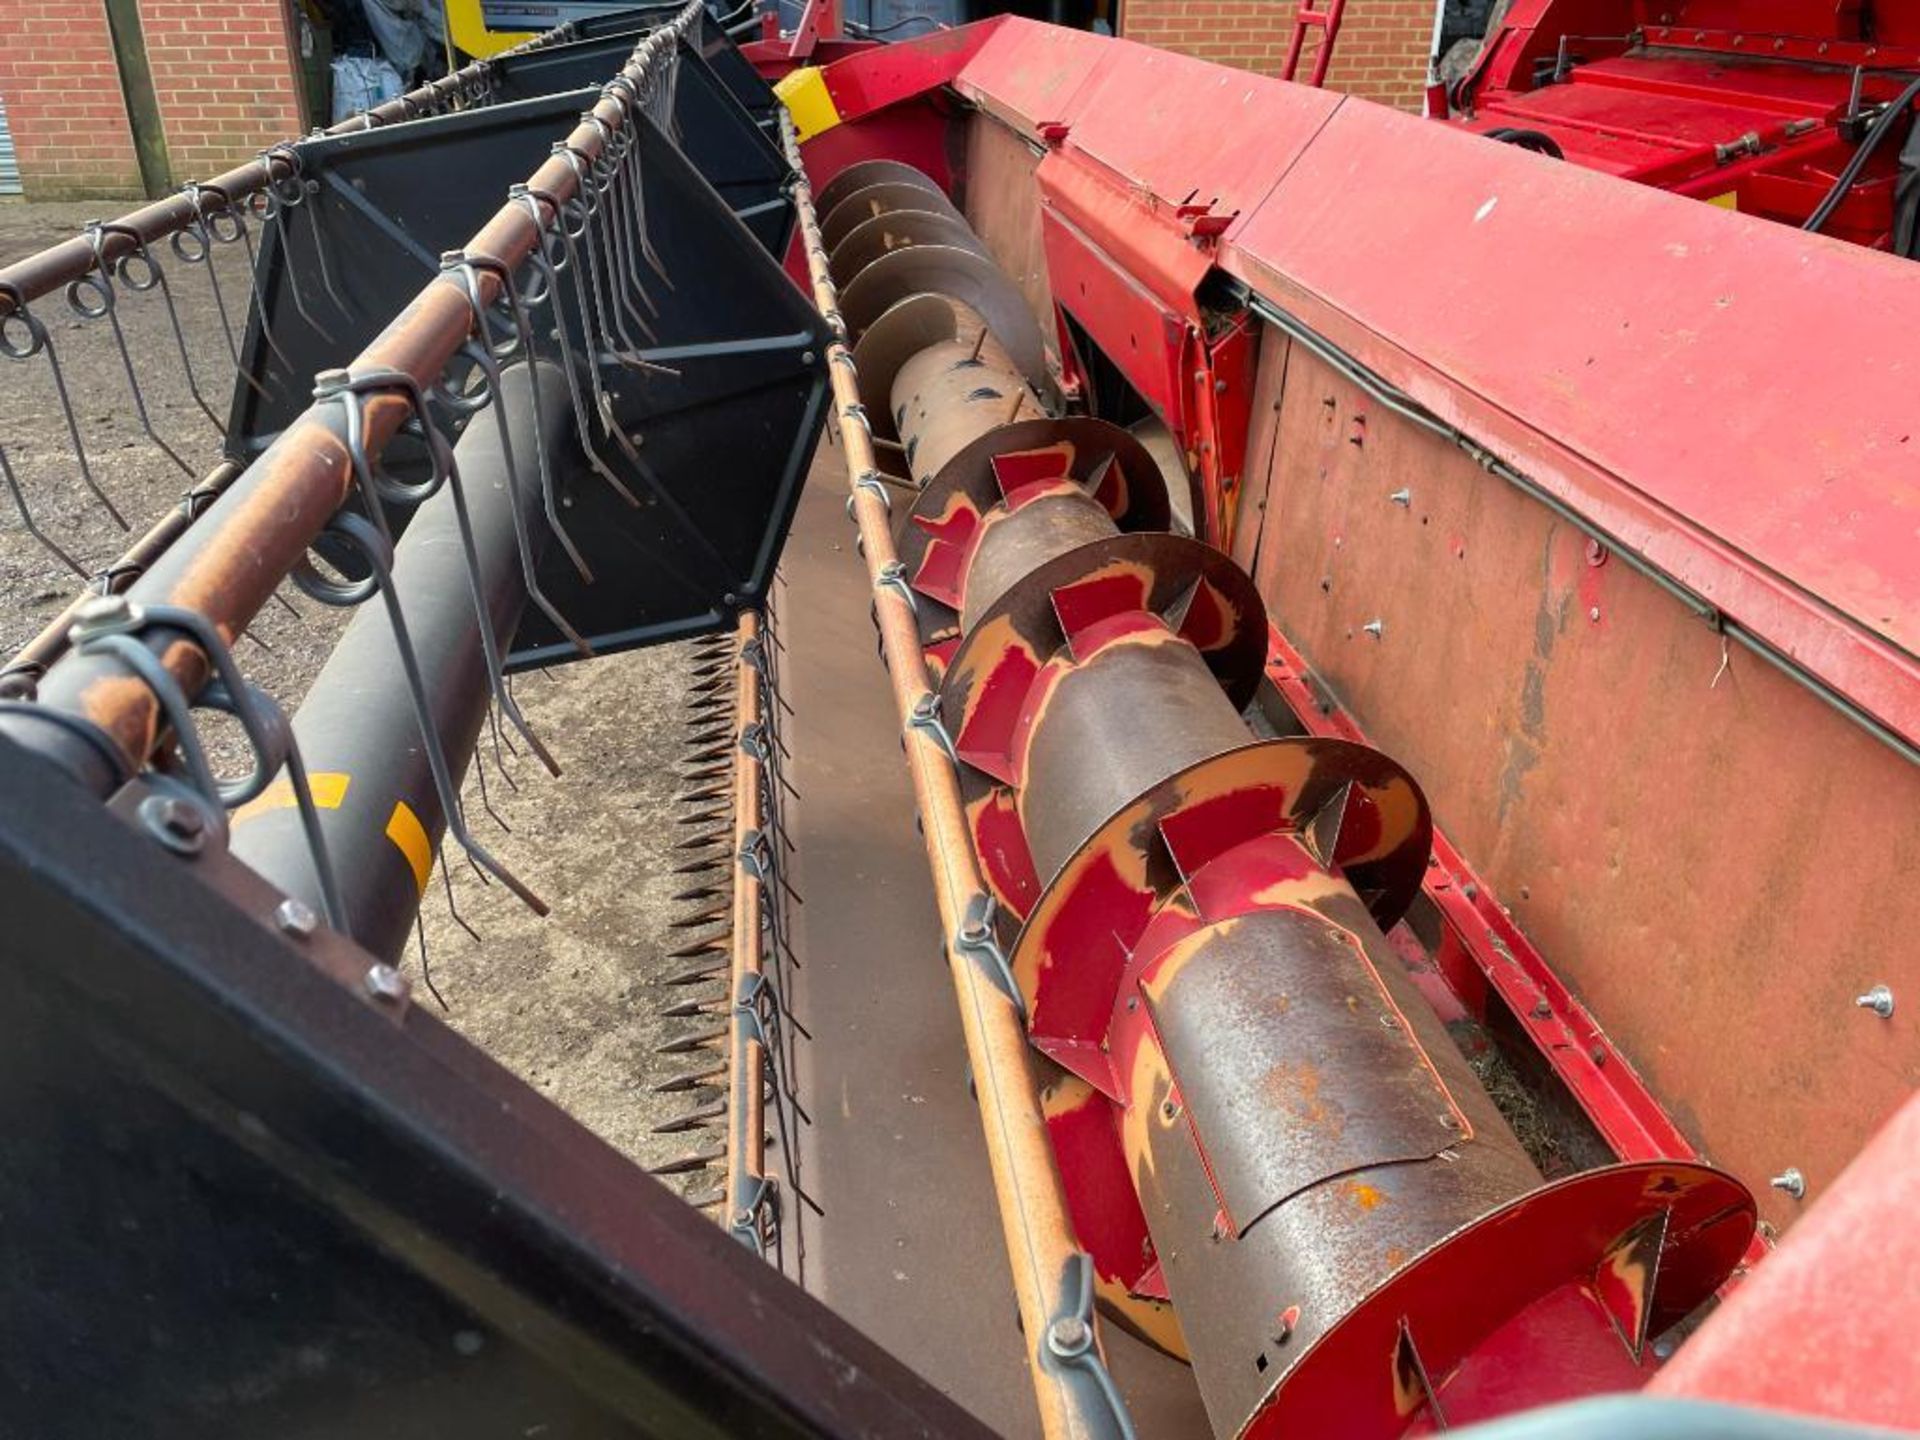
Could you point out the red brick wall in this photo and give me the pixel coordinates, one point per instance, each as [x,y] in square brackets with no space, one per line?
[64,108]
[223,71]
[1381,52]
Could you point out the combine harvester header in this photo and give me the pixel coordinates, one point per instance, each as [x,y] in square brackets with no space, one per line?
[1387,632]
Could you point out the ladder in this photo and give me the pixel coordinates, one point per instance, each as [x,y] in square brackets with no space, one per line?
[1325,19]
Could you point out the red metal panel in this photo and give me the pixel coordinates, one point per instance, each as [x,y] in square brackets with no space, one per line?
[1171,126]
[1032,75]
[887,74]
[1826,1326]
[1643,358]
[1714,863]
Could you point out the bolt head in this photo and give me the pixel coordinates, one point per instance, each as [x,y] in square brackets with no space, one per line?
[1879,1000]
[99,615]
[1069,1335]
[1790,1182]
[386,983]
[175,823]
[296,917]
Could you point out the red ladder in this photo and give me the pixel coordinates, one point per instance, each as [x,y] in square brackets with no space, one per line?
[1327,22]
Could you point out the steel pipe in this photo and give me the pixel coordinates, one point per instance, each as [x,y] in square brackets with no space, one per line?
[380,811]
[227,566]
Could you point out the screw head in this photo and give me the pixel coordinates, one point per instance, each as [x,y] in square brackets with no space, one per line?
[386,983]
[1879,1000]
[296,917]
[1593,614]
[1375,628]
[1791,1182]
[1402,497]
[1069,1335]
[175,823]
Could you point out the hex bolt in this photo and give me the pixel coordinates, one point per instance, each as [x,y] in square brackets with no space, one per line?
[386,983]
[296,917]
[100,616]
[1069,1335]
[1541,1009]
[1402,498]
[175,823]
[1791,1182]
[1879,1000]
[1375,628]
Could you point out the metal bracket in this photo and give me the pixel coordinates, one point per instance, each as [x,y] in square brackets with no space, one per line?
[976,940]
[893,576]
[1068,1350]
[926,718]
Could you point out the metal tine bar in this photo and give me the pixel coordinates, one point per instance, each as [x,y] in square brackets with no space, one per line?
[308,195]
[523,328]
[204,234]
[446,469]
[47,542]
[446,882]
[478,351]
[274,200]
[39,339]
[370,538]
[156,279]
[604,250]
[550,278]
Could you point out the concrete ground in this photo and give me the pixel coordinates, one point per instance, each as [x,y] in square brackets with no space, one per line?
[568,1002]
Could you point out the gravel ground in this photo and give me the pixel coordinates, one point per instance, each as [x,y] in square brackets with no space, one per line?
[568,1002]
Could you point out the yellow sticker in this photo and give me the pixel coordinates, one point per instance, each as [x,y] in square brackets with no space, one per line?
[1728,201]
[406,831]
[329,793]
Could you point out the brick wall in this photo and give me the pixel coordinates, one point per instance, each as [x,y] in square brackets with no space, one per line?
[64,108]
[1381,53]
[223,72]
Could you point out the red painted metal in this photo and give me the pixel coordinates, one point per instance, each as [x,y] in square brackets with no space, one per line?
[1838,1293]
[1741,103]
[1326,20]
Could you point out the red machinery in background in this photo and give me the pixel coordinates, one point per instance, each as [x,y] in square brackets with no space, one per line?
[1796,110]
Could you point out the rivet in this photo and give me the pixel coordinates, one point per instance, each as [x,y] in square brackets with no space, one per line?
[1375,628]
[1791,1182]
[1402,497]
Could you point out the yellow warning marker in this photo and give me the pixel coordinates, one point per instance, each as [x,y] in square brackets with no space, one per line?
[329,793]
[405,831]
[804,93]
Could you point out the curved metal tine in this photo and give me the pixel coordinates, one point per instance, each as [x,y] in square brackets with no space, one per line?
[244,234]
[277,200]
[39,339]
[157,280]
[47,542]
[447,469]
[373,545]
[100,281]
[426,965]
[608,313]
[486,800]
[626,185]
[202,235]
[446,882]
[622,276]
[624,152]
[551,279]
[309,204]
[589,305]
[639,192]
[482,355]
[524,329]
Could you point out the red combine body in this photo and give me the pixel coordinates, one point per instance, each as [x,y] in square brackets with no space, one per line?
[1797,110]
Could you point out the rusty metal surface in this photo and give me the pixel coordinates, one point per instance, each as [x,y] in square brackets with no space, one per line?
[896,230]
[228,565]
[947,395]
[903,330]
[1012,543]
[1072,1400]
[872,201]
[962,275]
[1648,804]
[1002,204]
[863,173]
[1293,1060]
